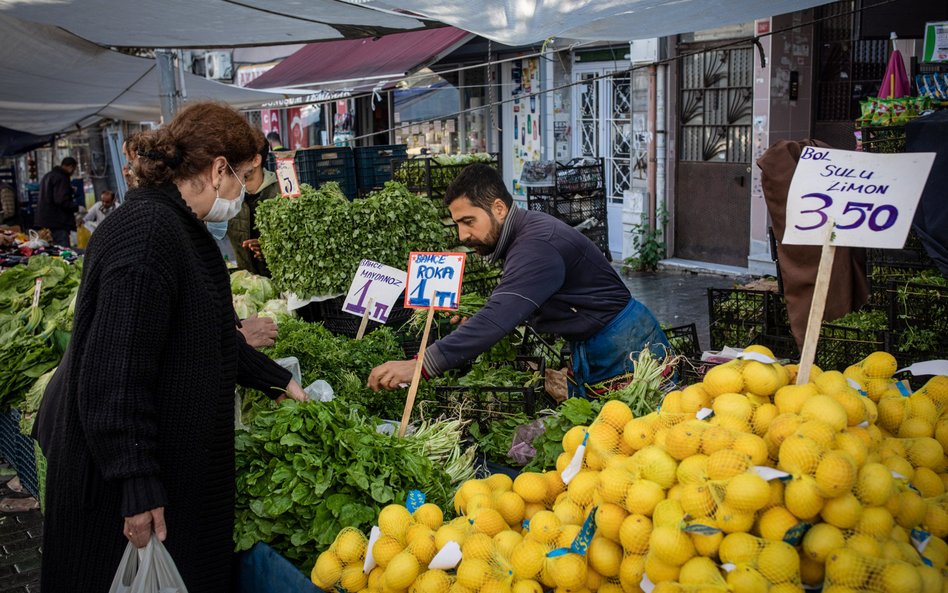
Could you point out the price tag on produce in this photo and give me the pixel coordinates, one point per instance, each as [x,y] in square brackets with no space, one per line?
[286,176]
[375,287]
[434,280]
[866,199]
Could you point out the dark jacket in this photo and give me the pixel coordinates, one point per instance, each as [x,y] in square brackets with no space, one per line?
[56,207]
[243,226]
[554,277]
[140,414]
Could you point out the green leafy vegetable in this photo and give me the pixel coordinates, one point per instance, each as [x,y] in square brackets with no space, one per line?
[549,445]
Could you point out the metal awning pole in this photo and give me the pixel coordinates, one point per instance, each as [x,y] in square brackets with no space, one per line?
[167,89]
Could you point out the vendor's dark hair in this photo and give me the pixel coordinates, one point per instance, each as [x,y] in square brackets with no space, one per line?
[69,162]
[274,136]
[264,151]
[186,146]
[481,184]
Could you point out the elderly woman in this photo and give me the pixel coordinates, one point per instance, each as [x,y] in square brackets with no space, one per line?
[138,422]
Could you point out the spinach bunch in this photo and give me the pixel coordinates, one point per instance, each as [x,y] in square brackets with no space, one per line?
[549,445]
[313,244]
[307,470]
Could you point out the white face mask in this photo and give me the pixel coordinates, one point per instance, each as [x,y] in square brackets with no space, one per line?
[223,209]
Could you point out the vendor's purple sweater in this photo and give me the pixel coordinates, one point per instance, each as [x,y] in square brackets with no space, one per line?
[554,277]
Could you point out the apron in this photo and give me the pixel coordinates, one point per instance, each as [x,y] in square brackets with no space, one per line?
[610,352]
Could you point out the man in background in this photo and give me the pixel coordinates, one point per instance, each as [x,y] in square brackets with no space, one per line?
[57,206]
[97,213]
[275,142]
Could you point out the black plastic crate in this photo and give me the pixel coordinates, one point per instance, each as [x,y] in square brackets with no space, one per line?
[736,316]
[17,449]
[783,347]
[684,340]
[317,166]
[484,404]
[918,320]
[376,164]
[577,176]
[425,175]
[543,346]
[883,139]
[840,347]
[600,238]
[480,276]
[587,209]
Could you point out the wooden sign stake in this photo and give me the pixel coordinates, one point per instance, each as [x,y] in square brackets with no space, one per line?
[365,320]
[817,307]
[416,378]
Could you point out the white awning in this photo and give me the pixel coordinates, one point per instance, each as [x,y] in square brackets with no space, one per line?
[208,23]
[53,80]
[521,22]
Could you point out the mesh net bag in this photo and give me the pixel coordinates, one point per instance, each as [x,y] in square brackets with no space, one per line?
[341,566]
[748,559]
[855,571]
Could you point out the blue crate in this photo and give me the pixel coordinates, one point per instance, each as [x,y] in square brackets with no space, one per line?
[17,449]
[376,164]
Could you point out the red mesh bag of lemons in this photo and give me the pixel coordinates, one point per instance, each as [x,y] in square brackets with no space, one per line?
[341,566]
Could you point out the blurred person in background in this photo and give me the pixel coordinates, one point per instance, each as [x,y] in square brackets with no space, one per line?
[56,208]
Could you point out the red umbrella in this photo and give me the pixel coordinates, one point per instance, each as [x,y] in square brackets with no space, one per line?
[895,84]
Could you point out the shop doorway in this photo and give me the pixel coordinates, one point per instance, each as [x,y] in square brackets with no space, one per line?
[715,108]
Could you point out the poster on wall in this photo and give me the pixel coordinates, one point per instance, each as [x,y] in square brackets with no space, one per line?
[297,134]
[526,118]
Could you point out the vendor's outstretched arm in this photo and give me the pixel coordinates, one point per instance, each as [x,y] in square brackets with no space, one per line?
[526,285]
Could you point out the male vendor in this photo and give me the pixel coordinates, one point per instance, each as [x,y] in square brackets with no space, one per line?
[554,277]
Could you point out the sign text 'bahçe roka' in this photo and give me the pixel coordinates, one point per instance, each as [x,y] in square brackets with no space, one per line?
[868,198]
[434,280]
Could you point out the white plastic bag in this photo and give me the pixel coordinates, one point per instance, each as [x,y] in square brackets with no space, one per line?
[149,570]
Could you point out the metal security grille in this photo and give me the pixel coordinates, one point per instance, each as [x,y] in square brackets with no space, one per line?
[850,69]
[589,116]
[620,133]
[716,105]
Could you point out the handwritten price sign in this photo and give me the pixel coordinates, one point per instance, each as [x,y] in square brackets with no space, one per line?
[375,287]
[287,178]
[869,199]
[434,278]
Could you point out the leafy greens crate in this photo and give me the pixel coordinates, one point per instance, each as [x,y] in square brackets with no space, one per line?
[840,346]
[376,164]
[684,340]
[431,175]
[736,316]
[918,320]
[18,450]
[544,346]
[482,404]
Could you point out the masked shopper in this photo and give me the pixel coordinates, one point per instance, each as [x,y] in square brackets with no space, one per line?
[138,422]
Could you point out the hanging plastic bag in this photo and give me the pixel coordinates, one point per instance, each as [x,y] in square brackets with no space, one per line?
[521,449]
[150,570]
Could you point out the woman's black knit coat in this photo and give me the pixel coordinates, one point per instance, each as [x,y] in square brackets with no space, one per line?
[140,413]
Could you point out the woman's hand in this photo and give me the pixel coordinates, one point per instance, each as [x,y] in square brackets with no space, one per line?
[138,528]
[293,391]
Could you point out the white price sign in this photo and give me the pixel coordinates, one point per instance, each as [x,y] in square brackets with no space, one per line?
[869,199]
[434,278]
[286,176]
[375,287]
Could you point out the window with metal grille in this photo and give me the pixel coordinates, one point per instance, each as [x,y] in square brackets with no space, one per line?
[715,109]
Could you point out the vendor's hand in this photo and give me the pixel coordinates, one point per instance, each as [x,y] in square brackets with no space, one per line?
[138,528]
[459,319]
[392,374]
[293,391]
[260,332]
[254,246]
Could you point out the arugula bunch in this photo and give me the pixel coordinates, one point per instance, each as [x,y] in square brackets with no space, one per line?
[313,244]
[307,470]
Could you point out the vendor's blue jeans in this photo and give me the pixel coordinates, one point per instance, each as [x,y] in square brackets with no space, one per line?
[610,352]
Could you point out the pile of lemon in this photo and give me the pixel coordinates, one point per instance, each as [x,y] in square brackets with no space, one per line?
[745,483]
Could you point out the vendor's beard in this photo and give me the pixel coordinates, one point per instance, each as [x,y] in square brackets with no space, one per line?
[488,245]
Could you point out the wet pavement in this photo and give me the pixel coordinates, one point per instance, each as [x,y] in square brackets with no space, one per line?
[679,297]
